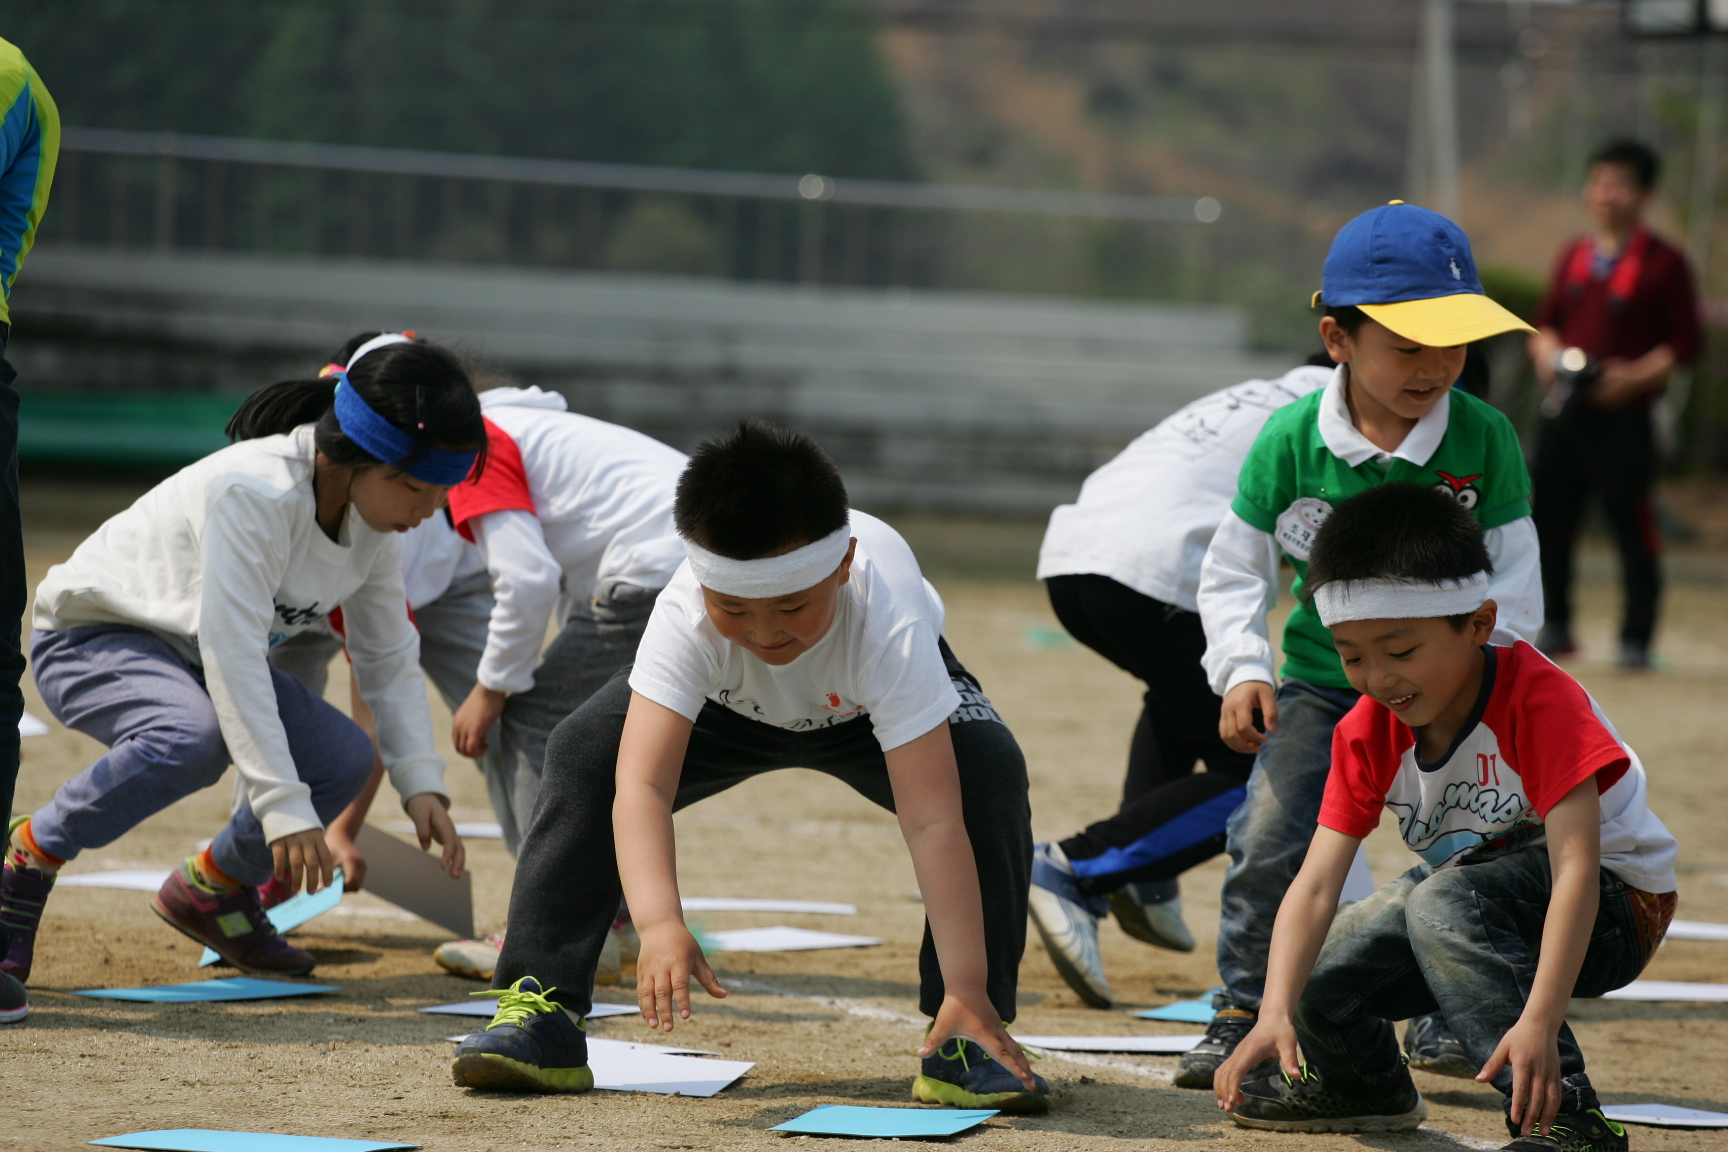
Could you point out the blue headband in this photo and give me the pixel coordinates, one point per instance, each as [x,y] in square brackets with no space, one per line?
[389,444]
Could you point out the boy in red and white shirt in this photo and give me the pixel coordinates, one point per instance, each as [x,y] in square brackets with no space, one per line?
[1545,875]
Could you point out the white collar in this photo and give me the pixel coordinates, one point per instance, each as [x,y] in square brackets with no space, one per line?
[531,397]
[1349,445]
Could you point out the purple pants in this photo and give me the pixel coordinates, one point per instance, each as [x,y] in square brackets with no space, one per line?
[133,692]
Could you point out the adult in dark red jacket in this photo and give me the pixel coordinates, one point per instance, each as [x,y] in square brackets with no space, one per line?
[1621,305]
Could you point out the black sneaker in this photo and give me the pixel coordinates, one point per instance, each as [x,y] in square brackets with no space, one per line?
[1222,1035]
[1280,1103]
[963,1075]
[1580,1126]
[531,1045]
[14,1000]
[1432,1048]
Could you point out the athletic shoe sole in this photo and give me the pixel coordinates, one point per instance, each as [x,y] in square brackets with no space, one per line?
[928,1091]
[1066,968]
[457,968]
[13,1015]
[493,1072]
[169,920]
[1406,1122]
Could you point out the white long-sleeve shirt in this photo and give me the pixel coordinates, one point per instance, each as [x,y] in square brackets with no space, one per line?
[225,559]
[567,506]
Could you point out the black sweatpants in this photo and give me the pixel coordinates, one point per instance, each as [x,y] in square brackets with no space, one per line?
[1171,818]
[14,591]
[1611,454]
[567,887]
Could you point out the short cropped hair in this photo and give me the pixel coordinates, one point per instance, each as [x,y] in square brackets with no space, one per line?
[1637,158]
[757,491]
[1415,532]
[1348,316]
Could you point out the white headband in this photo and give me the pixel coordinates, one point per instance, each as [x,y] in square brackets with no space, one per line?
[1386,599]
[374,344]
[770,576]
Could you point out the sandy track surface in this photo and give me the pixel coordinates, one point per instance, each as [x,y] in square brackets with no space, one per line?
[822,1027]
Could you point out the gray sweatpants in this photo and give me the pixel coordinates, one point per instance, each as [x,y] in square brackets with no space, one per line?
[596,641]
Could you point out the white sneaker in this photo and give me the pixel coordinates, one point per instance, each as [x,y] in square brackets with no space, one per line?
[1067,921]
[1158,923]
[475,959]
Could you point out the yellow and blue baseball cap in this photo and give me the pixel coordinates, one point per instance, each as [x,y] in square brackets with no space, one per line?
[1411,269]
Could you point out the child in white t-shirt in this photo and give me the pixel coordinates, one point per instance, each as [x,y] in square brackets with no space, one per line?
[1545,875]
[798,634]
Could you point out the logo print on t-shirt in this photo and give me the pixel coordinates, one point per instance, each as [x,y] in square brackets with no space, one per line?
[839,707]
[1296,528]
[1461,488]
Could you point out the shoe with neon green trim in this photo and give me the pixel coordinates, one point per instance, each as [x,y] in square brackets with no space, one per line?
[1580,1126]
[963,1075]
[532,1045]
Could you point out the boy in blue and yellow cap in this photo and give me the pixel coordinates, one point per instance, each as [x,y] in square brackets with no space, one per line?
[1402,300]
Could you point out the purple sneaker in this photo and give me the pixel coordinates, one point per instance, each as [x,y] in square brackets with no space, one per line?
[14,1000]
[231,923]
[23,891]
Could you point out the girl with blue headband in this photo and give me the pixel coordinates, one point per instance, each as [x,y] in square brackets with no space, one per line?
[153,639]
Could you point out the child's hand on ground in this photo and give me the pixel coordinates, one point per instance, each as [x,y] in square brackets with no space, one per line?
[303,855]
[474,719]
[972,1017]
[1533,1051]
[669,956]
[432,822]
[1269,1037]
[1236,715]
[347,857]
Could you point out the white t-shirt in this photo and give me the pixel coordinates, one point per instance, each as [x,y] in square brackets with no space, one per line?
[224,560]
[567,506]
[879,658]
[1146,518]
[434,557]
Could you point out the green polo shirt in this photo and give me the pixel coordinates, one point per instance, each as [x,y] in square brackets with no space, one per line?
[1291,480]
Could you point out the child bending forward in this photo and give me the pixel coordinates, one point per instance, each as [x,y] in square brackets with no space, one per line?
[1545,876]
[796,634]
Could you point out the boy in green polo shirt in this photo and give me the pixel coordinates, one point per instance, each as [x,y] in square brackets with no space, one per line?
[1402,299]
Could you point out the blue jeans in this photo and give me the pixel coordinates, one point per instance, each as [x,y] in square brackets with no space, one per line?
[1268,836]
[1462,941]
[128,689]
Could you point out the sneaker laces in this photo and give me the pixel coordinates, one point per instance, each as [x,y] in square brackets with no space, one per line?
[1303,1076]
[516,1004]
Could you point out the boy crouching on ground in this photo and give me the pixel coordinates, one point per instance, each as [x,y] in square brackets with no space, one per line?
[1545,875]
[798,634]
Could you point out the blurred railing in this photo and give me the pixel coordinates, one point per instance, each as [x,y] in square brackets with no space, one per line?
[165,190]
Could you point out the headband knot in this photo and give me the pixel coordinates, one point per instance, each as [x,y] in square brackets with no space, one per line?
[1388,598]
[769,576]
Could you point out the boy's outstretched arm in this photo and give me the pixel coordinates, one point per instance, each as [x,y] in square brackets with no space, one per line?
[1238,585]
[1574,827]
[1303,920]
[650,761]
[926,784]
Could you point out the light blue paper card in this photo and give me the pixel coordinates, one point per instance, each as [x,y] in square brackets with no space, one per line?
[233,988]
[207,1140]
[1186,1011]
[884,1123]
[293,912]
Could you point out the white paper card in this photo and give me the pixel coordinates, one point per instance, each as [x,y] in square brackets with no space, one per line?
[736,904]
[28,725]
[416,882]
[1665,1115]
[1670,990]
[621,1067]
[1697,930]
[132,880]
[1165,1045]
[487,1006]
[783,939]
[478,830]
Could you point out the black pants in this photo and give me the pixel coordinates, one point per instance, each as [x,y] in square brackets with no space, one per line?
[14,592]
[1171,818]
[567,887]
[1613,455]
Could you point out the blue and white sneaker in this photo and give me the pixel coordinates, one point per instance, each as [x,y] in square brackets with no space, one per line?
[1067,921]
[532,1045]
[963,1075]
[1151,912]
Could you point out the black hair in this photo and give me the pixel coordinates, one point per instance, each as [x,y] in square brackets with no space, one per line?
[1406,531]
[1349,317]
[1634,156]
[757,491]
[420,388]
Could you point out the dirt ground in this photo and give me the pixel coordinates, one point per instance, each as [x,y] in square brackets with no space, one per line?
[822,1027]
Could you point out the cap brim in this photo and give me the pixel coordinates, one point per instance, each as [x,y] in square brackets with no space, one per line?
[1446,321]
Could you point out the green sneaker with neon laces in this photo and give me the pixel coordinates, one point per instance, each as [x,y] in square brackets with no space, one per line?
[532,1045]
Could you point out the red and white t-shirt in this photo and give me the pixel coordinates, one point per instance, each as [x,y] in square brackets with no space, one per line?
[1534,736]
[567,506]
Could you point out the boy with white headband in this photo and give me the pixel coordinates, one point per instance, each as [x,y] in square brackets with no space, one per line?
[798,634]
[1545,875]
[1402,300]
